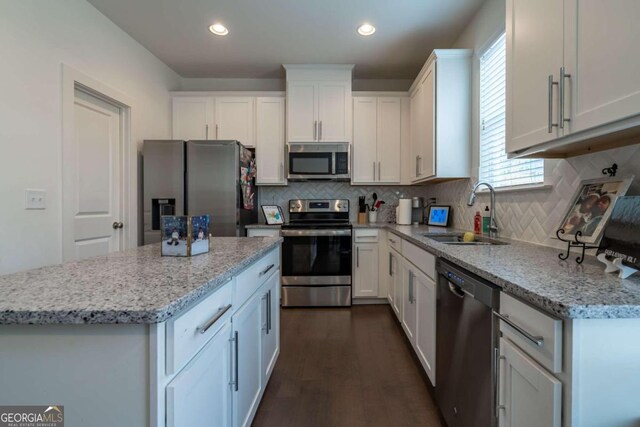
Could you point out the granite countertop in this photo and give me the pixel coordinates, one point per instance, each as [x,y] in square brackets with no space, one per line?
[535,274]
[134,286]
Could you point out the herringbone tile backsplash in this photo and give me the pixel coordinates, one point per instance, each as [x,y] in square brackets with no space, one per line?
[531,215]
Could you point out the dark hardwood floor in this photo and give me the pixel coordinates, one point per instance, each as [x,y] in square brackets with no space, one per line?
[345,367]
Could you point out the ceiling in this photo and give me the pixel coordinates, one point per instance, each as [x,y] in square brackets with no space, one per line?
[264,34]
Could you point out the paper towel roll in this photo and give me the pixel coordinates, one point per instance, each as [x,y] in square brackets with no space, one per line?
[403,216]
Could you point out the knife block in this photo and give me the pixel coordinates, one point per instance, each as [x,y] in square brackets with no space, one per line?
[362,218]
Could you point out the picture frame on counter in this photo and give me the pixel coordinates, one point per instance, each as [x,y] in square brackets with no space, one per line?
[621,238]
[185,235]
[591,206]
[273,214]
[439,216]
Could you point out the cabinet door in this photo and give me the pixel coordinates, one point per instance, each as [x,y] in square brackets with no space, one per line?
[271,328]
[528,395]
[426,163]
[398,285]
[302,111]
[193,118]
[425,289]
[366,271]
[409,308]
[364,140]
[605,78]
[270,141]
[534,52]
[247,333]
[417,101]
[202,387]
[334,112]
[389,126]
[235,119]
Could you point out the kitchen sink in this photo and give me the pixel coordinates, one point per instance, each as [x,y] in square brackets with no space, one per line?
[458,239]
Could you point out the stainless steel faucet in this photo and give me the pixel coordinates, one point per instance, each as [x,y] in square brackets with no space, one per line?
[493,227]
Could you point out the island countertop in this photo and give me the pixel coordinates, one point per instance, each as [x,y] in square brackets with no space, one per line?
[133,286]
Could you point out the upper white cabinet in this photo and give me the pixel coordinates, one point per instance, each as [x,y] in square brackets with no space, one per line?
[205,116]
[270,141]
[235,119]
[377,136]
[441,117]
[572,85]
[319,103]
[193,117]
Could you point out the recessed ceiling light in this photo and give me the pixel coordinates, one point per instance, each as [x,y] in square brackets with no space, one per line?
[219,29]
[366,29]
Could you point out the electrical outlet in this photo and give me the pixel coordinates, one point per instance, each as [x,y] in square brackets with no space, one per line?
[35,199]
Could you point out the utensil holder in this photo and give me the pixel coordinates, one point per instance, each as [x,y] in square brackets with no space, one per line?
[373,216]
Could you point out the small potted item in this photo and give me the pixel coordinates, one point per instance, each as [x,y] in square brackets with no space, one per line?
[184,236]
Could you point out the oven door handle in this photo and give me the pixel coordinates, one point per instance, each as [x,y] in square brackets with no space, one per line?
[314,233]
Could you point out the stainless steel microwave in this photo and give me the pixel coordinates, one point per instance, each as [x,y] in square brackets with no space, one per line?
[319,161]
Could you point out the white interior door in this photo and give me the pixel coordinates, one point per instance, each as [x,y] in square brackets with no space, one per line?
[93,180]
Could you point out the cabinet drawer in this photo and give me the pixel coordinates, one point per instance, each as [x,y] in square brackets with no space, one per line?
[529,324]
[366,235]
[394,241]
[253,277]
[422,259]
[263,232]
[189,332]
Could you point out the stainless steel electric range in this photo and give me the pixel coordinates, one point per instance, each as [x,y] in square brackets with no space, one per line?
[316,254]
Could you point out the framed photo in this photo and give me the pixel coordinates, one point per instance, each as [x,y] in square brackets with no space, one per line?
[199,232]
[273,214]
[175,235]
[622,236]
[439,215]
[591,207]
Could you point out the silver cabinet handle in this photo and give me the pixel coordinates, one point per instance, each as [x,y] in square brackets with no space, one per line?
[417,173]
[411,287]
[418,165]
[551,84]
[266,270]
[206,131]
[268,311]
[221,311]
[392,241]
[374,171]
[216,131]
[379,177]
[357,257]
[315,130]
[320,131]
[390,264]
[282,171]
[537,340]
[563,76]
[234,382]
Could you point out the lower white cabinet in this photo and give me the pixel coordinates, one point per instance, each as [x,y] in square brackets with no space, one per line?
[425,301]
[247,378]
[271,328]
[396,283]
[366,270]
[528,395]
[409,307]
[202,387]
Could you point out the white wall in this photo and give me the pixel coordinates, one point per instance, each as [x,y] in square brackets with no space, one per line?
[531,215]
[36,38]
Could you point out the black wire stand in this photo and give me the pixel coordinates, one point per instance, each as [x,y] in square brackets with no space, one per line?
[575,243]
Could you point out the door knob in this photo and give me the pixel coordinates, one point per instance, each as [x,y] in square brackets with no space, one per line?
[116,225]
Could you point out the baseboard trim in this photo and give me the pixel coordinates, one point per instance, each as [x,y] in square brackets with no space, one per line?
[369,301]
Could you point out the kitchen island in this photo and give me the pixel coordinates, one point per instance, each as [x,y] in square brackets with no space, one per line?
[134,338]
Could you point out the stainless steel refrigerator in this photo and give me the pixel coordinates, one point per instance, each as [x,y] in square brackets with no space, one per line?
[197,178]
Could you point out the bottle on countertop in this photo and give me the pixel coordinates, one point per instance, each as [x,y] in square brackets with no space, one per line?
[486,220]
[477,223]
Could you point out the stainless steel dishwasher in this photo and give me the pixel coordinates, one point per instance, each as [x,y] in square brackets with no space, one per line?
[466,337]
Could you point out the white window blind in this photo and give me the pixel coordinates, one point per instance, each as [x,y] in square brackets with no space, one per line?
[495,168]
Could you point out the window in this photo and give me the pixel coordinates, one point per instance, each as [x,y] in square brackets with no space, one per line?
[495,167]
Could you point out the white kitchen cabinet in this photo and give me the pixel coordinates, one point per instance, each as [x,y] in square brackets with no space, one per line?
[319,103]
[247,366]
[409,307]
[235,119]
[582,93]
[271,328]
[202,387]
[425,301]
[377,125]
[270,140]
[193,117]
[383,258]
[441,117]
[366,270]
[527,395]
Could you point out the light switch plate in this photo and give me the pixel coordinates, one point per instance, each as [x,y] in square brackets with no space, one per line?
[35,199]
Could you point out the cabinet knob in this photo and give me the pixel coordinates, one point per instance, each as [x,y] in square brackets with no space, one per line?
[117,225]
